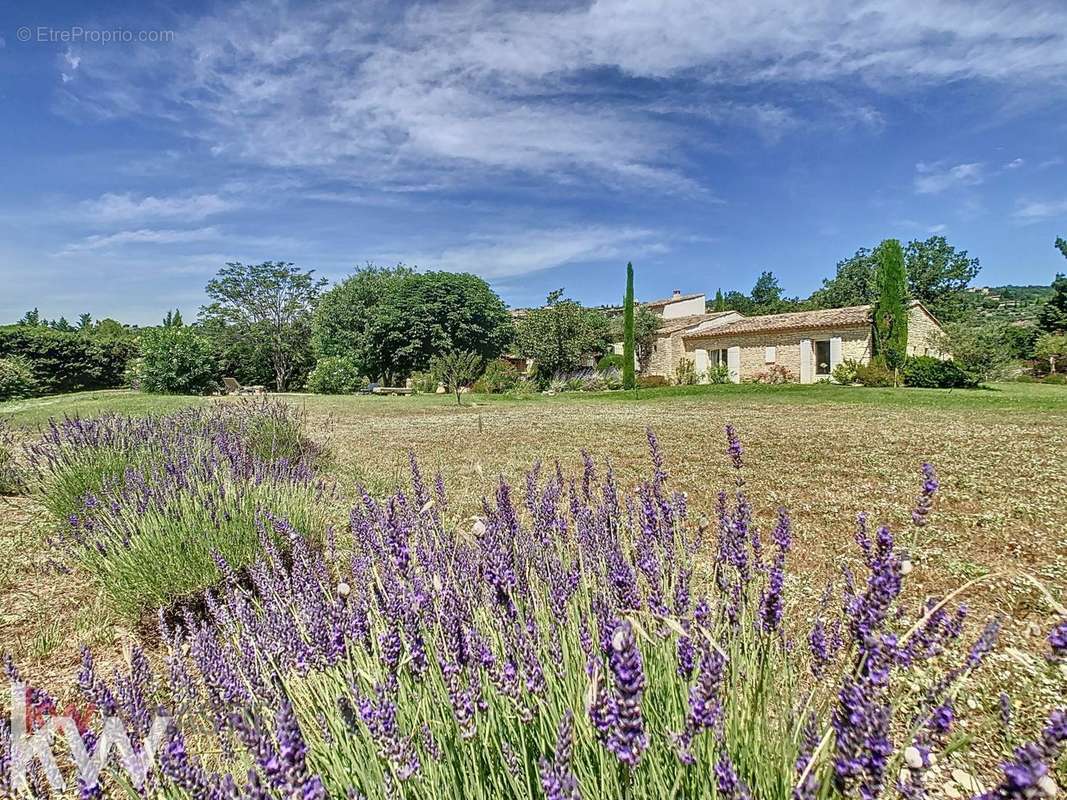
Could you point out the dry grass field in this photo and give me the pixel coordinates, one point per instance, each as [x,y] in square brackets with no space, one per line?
[825,453]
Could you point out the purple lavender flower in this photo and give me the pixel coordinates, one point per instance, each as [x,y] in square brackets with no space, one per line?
[730,786]
[1057,640]
[628,738]
[557,777]
[925,501]
[1027,776]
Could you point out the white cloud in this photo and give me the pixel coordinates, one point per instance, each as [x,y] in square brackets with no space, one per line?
[1015,163]
[1039,210]
[519,253]
[141,236]
[432,93]
[112,207]
[938,228]
[936,178]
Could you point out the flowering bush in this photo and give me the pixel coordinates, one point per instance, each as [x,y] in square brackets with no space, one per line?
[148,506]
[774,374]
[10,474]
[16,378]
[336,375]
[576,641]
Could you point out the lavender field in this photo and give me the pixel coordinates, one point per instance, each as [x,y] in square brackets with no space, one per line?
[546,601]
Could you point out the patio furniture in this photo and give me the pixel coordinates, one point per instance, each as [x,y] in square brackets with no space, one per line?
[234,387]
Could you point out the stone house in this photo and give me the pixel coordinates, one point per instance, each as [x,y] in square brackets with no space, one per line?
[808,344]
[678,305]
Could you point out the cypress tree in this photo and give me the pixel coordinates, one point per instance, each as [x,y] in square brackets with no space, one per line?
[891,308]
[628,379]
[720,301]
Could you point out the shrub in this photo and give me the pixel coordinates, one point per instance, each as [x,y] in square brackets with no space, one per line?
[567,641]
[177,361]
[933,373]
[875,373]
[68,362]
[424,383]
[610,361]
[335,375]
[499,377]
[16,379]
[775,374]
[981,351]
[651,381]
[1056,378]
[147,504]
[610,377]
[525,387]
[847,372]
[719,374]
[685,374]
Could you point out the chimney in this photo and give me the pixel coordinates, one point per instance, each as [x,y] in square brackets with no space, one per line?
[677,294]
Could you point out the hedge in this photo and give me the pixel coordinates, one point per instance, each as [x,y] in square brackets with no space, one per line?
[68,362]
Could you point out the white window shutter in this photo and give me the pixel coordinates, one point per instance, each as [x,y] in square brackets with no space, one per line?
[700,362]
[835,352]
[770,354]
[733,362]
[805,360]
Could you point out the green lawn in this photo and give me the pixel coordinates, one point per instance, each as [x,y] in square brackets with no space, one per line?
[1004,397]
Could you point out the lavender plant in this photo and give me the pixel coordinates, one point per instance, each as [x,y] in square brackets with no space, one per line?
[574,641]
[154,503]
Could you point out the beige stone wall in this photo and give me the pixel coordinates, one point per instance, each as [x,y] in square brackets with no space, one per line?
[855,344]
[666,353]
[921,330]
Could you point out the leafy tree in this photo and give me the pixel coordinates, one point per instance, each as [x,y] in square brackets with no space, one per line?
[1053,348]
[31,319]
[738,301]
[852,285]
[393,321]
[85,322]
[1061,245]
[719,303]
[271,302]
[16,379]
[560,335]
[628,379]
[61,325]
[68,362]
[938,276]
[979,350]
[766,295]
[646,329]
[176,361]
[891,310]
[1053,314]
[108,328]
[457,370]
[173,319]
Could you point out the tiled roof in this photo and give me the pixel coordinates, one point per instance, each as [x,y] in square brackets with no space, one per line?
[848,317]
[676,324]
[677,299]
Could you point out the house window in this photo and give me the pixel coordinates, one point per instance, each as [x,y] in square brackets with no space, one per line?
[718,357]
[770,355]
[822,357]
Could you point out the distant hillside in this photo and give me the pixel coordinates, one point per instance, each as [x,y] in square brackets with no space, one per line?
[1009,303]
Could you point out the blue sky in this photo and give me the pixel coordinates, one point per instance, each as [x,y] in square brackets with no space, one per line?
[538,144]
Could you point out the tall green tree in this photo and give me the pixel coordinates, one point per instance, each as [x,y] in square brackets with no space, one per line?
[766,294]
[719,303]
[560,335]
[891,310]
[271,302]
[1061,245]
[85,322]
[392,322]
[31,319]
[937,274]
[1052,317]
[628,379]
[173,319]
